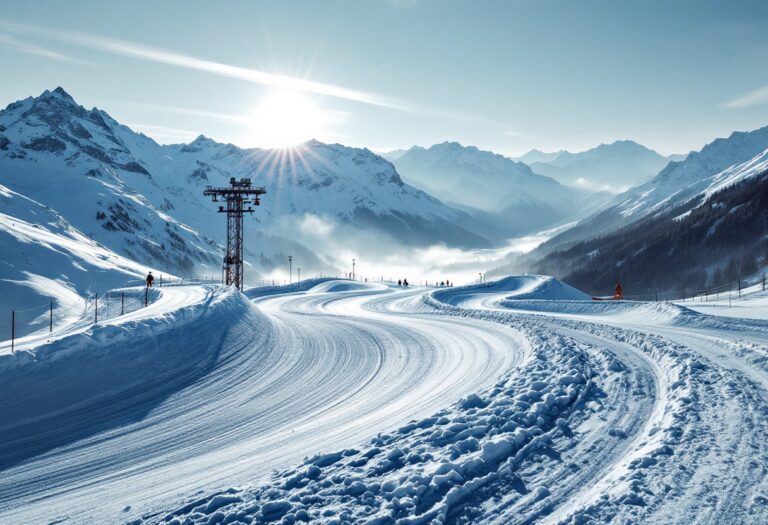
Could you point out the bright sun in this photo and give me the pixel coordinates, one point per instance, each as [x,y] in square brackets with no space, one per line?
[286,118]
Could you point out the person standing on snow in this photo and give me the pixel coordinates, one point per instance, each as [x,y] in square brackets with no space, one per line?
[617,292]
[150,279]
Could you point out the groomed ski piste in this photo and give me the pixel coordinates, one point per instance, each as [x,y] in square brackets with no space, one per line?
[332,401]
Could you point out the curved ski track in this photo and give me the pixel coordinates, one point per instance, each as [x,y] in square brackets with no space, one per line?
[674,431]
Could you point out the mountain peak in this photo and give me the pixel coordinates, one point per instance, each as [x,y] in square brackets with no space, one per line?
[202,139]
[312,143]
[58,93]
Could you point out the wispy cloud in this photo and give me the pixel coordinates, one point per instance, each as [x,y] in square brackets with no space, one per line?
[139,51]
[163,56]
[164,132]
[755,97]
[210,115]
[26,47]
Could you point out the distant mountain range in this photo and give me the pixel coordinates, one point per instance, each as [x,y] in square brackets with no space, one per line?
[76,184]
[611,167]
[676,183]
[536,155]
[492,187]
[698,223]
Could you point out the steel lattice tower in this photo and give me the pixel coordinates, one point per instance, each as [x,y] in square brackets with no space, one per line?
[240,197]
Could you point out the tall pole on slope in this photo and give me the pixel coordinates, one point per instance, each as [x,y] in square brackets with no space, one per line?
[240,197]
[353,268]
[298,279]
[290,269]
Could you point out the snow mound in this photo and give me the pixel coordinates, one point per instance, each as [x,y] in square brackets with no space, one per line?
[513,288]
[343,286]
[302,286]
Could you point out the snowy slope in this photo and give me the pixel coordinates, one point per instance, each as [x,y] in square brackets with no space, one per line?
[44,257]
[739,172]
[683,180]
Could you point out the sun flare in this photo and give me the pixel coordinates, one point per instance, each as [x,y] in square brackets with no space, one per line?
[285,118]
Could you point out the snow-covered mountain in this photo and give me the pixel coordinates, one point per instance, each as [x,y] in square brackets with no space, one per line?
[315,181]
[489,182]
[677,183]
[145,202]
[611,167]
[82,164]
[711,240]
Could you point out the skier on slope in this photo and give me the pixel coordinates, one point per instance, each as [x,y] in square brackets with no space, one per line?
[617,292]
[405,283]
[150,279]
[399,282]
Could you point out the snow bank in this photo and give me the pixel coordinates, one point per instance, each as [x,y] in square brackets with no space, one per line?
[111,374]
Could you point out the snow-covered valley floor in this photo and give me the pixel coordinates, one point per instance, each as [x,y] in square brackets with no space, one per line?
[517,402]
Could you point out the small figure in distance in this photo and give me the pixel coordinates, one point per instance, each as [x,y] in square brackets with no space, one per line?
[405,283]
[617,294]
[150,279]
[399,282]
[442,283]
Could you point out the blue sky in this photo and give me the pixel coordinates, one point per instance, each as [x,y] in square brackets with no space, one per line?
[507,76]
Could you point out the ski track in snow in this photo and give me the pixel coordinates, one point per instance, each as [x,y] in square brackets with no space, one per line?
[569,411]
[700,456]
[308,373]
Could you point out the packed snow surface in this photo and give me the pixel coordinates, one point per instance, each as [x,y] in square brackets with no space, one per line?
[339,402]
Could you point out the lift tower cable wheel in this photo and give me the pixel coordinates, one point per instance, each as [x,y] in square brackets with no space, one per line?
[240,198]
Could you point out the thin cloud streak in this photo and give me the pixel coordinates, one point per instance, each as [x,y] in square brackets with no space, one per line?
[753,98]
[163,131]
[210,115]
[162,56]
[32,49]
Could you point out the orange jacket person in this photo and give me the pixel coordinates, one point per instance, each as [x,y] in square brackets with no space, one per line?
[617,293]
